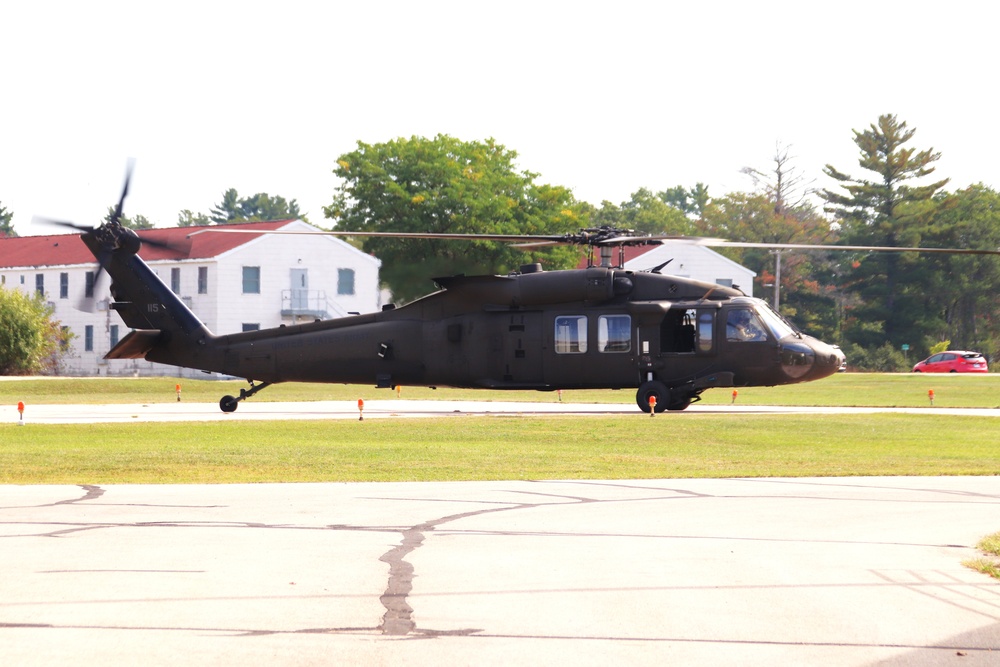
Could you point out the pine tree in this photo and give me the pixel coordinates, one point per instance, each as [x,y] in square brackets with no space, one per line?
[890,210]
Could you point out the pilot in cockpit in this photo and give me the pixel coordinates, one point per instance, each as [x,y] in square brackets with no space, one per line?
[742,326]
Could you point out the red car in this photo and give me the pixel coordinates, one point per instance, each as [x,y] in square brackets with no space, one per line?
[953,361]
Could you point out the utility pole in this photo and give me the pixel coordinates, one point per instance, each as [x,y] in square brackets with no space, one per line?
[777,279]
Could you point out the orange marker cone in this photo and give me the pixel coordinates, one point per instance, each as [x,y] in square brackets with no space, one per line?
[20,412]
[652,404]
[361,409]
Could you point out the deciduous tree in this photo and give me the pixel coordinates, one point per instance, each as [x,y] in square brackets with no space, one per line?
[30,341]
[448,186]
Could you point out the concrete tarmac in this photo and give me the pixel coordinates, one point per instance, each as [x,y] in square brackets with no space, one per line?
[397,408]
[835,571]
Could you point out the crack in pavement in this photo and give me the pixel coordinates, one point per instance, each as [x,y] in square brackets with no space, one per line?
[398,617]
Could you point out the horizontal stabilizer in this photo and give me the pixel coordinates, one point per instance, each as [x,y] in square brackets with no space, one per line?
[135,345]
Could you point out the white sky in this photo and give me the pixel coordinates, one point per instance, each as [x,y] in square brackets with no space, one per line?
[601,97]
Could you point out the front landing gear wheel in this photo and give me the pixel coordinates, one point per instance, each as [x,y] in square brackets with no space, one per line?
[656,389]
[229,403]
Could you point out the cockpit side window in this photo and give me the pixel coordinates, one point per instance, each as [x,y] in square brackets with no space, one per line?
[743,326]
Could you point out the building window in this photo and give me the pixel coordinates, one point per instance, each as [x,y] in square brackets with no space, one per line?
[89,288]
[251,280]
[251,326]
[571,334]
[114,335]
[63,285]
[345,281]
[88,338]
[202,280]
[40,284]
[175,280]
[614,333]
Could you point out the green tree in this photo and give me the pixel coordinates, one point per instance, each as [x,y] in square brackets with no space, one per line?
[888,210]
[6,228]
[691,202]
[135,222]
[962,289]
[30,341]
[259,207]
[445,185]
[187,218]
[644,212]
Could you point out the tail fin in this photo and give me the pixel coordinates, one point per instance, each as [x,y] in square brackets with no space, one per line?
[164,329]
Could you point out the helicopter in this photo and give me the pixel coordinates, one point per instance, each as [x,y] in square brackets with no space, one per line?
[601,327]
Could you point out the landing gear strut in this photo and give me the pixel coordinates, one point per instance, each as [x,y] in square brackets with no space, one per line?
[230,403]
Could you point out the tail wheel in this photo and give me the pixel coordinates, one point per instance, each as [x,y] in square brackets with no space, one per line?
[653,388]
[229,404]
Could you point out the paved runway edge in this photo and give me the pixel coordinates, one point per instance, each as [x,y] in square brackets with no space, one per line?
[380,409]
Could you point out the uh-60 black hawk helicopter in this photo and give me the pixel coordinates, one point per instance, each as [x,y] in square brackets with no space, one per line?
[600,327]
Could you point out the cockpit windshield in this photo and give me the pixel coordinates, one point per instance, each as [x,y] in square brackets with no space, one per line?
[775,322]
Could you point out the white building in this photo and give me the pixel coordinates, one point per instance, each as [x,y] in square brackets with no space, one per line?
[232,282]
[690,261]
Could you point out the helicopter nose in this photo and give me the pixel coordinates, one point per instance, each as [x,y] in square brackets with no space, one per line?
[809,359]
[797,359]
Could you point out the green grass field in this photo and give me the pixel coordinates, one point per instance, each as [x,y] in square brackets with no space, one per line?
[479,448]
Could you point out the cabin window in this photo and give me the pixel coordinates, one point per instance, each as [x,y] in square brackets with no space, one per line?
[175,280]
[706,328]
[202,280]
[88,338]
[63,285]
[251,280]
[345,282]
[614,333]
[571,334]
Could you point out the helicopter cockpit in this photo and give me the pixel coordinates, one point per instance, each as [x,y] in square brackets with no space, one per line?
[753,320]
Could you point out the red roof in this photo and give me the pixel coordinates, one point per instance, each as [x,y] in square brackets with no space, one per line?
[68,249]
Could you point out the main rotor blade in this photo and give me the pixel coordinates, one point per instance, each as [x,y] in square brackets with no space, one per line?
[527,240]
[720,243]
[62,223]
